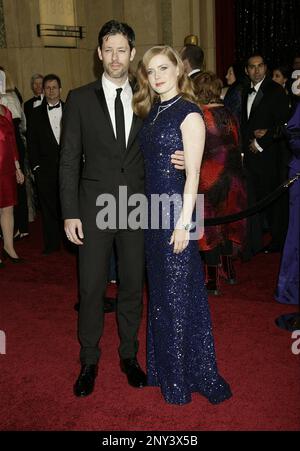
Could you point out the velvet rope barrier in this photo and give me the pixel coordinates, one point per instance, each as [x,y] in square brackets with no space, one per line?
[263,203]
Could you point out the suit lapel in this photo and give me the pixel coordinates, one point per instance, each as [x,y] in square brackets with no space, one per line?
[135,127]
[136,121]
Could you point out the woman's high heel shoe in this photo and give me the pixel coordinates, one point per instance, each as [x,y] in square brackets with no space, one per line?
[5,256]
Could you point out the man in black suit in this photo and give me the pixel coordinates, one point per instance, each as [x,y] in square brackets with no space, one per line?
[265,106]
[192,57]
[94,125]
[44,148]
[36,84]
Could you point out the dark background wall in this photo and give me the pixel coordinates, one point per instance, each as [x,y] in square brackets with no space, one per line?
[271,27]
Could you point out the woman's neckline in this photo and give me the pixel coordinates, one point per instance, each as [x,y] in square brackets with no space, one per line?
[165,102]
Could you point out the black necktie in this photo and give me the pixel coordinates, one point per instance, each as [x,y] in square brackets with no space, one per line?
[37,98]
[251,90]
[120,121]
[50,107]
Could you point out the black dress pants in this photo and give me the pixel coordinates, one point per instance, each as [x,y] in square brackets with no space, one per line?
[94,260]
[47,185]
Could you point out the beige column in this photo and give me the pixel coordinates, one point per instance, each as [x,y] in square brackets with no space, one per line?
[208,32]
[183,17]
[155,22]
[145,18]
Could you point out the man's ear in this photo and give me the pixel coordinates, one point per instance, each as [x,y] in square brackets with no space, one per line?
[132,54]
[99,54]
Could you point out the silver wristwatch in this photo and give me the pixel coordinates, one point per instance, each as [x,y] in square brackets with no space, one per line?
[188,227]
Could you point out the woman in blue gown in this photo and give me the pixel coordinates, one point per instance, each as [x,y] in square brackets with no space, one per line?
[288,281]
[180,348]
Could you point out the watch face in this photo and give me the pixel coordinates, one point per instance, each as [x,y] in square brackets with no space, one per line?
[190,226]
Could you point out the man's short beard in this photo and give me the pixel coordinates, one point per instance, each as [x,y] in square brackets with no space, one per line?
[117,74]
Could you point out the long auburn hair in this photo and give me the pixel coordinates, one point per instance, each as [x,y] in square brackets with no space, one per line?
[145,96]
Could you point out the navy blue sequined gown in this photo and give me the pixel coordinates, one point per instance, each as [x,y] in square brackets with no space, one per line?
[180,348]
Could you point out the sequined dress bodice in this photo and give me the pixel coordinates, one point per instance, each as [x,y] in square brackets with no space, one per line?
[180,348]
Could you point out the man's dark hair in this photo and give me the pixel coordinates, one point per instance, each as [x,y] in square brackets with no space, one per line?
[255,55]
[194,54]
[114,27]
[51,77]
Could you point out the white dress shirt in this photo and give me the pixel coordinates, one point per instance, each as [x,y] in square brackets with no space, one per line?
[54,116]
[251,98]
[55,120]
[37,103]
[110,93]
[194,71]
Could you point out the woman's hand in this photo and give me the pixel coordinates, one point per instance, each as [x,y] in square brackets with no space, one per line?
[19,176]
[180,238]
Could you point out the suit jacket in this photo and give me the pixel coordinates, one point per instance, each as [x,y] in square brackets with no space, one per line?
[28,107]
[43,148]
[88,137]
[269,110]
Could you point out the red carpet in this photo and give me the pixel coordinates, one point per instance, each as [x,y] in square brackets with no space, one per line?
[41,360]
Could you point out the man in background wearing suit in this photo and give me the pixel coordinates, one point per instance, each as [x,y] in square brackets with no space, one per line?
[44,148]
[36,84]
[264,106]
[192,57]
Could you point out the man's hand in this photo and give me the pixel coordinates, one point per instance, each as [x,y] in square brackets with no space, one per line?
[73,229]
[260,133]
[19,176]
[252,147]
[177,159]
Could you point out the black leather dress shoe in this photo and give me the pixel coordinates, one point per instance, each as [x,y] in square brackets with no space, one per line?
[135,375]
[84,385]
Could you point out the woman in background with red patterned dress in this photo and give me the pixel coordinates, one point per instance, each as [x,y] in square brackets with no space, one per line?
[10,175]
[221,182]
